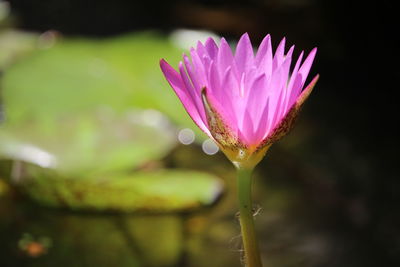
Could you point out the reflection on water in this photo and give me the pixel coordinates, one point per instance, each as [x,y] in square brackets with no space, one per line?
[36,236]
[292,229]
[302,221]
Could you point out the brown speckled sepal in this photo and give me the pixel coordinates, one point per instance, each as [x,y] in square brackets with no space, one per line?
[287,123]
[221,132]
[238,153]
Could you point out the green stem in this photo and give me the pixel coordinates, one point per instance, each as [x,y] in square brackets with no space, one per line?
[251,251]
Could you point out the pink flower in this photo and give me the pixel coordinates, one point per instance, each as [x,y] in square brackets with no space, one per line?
[245,102]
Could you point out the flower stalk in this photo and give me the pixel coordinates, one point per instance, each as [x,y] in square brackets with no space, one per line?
[250,245]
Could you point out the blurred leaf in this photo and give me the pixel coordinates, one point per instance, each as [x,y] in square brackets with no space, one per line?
[162,191]
[14,44]
[94,142]
[76,75]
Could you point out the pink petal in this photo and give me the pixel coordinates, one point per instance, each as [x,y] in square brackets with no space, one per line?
[240,101]
[305,68]
[192,74]
[201,50]
[225,59]
[249,79]
[223,112]
[302,74]
[276,111]
[285,66]
[214,81]
[246,132]
[194,95]
[290,98]
[175,80]
[211,48]
[263,59]
[276,92]
[206,63]
[307,91]
[263,49]
[264,122]
[244,55]
[172,76]
[257,98]
[279,55]
[198,68]
[296,89]
[290,52]
[229,93]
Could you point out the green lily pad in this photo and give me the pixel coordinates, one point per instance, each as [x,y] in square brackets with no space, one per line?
[94,142]
[76,75]
[161,191]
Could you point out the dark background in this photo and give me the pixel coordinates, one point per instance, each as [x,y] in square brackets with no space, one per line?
[354,103]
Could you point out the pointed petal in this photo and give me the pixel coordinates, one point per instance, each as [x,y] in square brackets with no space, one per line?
[196,99]
[225,56]
[229,93]
[257,98]
[276,111]
[291,97]
[247,130]
[285,66]
[306,92]
[279,55]
[287,122]
[244,55]
[222,126]
[264,48]
[263,123]
[192,74]
[287,61]
[172,76]
[206,63]
[301,77]
[225,59]
[203,55]
[264,57]
[201,50]
[211,48]
[275,89]
[305,68]
[296,89]
[198,68]
[249,78]
[175,80]
[290,52]
[214,81]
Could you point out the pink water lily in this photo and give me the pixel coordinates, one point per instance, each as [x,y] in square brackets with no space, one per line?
[245,102]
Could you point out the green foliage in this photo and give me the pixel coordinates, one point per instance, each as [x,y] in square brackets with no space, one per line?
[161,191]
[80,112]
[14,44]
[97,142]
[77,75]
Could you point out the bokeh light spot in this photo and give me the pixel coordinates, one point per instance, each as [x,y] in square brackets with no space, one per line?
[186,136]
[209,147]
